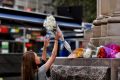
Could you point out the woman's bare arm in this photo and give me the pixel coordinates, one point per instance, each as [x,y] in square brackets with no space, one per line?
[44,53]
[54,52]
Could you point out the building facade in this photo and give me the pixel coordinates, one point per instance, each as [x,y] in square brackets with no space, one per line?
[39,6]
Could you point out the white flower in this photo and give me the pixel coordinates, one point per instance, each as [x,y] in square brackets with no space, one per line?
[50,23]
[87,53]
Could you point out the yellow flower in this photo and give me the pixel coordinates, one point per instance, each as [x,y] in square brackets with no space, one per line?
[78,52]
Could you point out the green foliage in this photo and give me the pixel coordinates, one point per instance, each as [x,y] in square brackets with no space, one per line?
[89,7]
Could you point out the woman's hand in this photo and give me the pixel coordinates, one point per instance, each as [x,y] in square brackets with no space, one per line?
[54,51]
[46,42]
[58,35]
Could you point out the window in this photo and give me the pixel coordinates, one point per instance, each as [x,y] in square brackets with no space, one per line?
[20,7]
[16,47]
[8,3]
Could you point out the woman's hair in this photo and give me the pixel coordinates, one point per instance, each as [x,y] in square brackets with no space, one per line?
[29,66]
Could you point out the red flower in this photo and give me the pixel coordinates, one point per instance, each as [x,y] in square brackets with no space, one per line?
[101,53]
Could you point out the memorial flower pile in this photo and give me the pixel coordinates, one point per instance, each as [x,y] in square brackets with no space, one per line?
[109,51]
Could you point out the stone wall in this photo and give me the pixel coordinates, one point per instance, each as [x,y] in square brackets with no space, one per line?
[85,69]
[60,72]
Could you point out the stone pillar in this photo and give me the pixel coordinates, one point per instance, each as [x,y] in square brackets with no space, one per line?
[117,9]
[114,24]
[112,6]
[100,24]
[105,9]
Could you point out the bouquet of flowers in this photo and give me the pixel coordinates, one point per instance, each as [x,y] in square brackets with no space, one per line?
[87,53]
[51,26]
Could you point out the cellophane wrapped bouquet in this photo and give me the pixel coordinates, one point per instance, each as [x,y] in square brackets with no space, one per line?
[51,26]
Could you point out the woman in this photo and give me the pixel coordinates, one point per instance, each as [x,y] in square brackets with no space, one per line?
[43,58]
[30,70]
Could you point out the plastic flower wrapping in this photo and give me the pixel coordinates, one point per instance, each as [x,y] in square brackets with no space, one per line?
[78,52]
[87,53]
[51,25]
[109,51]
[101,53]
[117,55]
[112,50]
